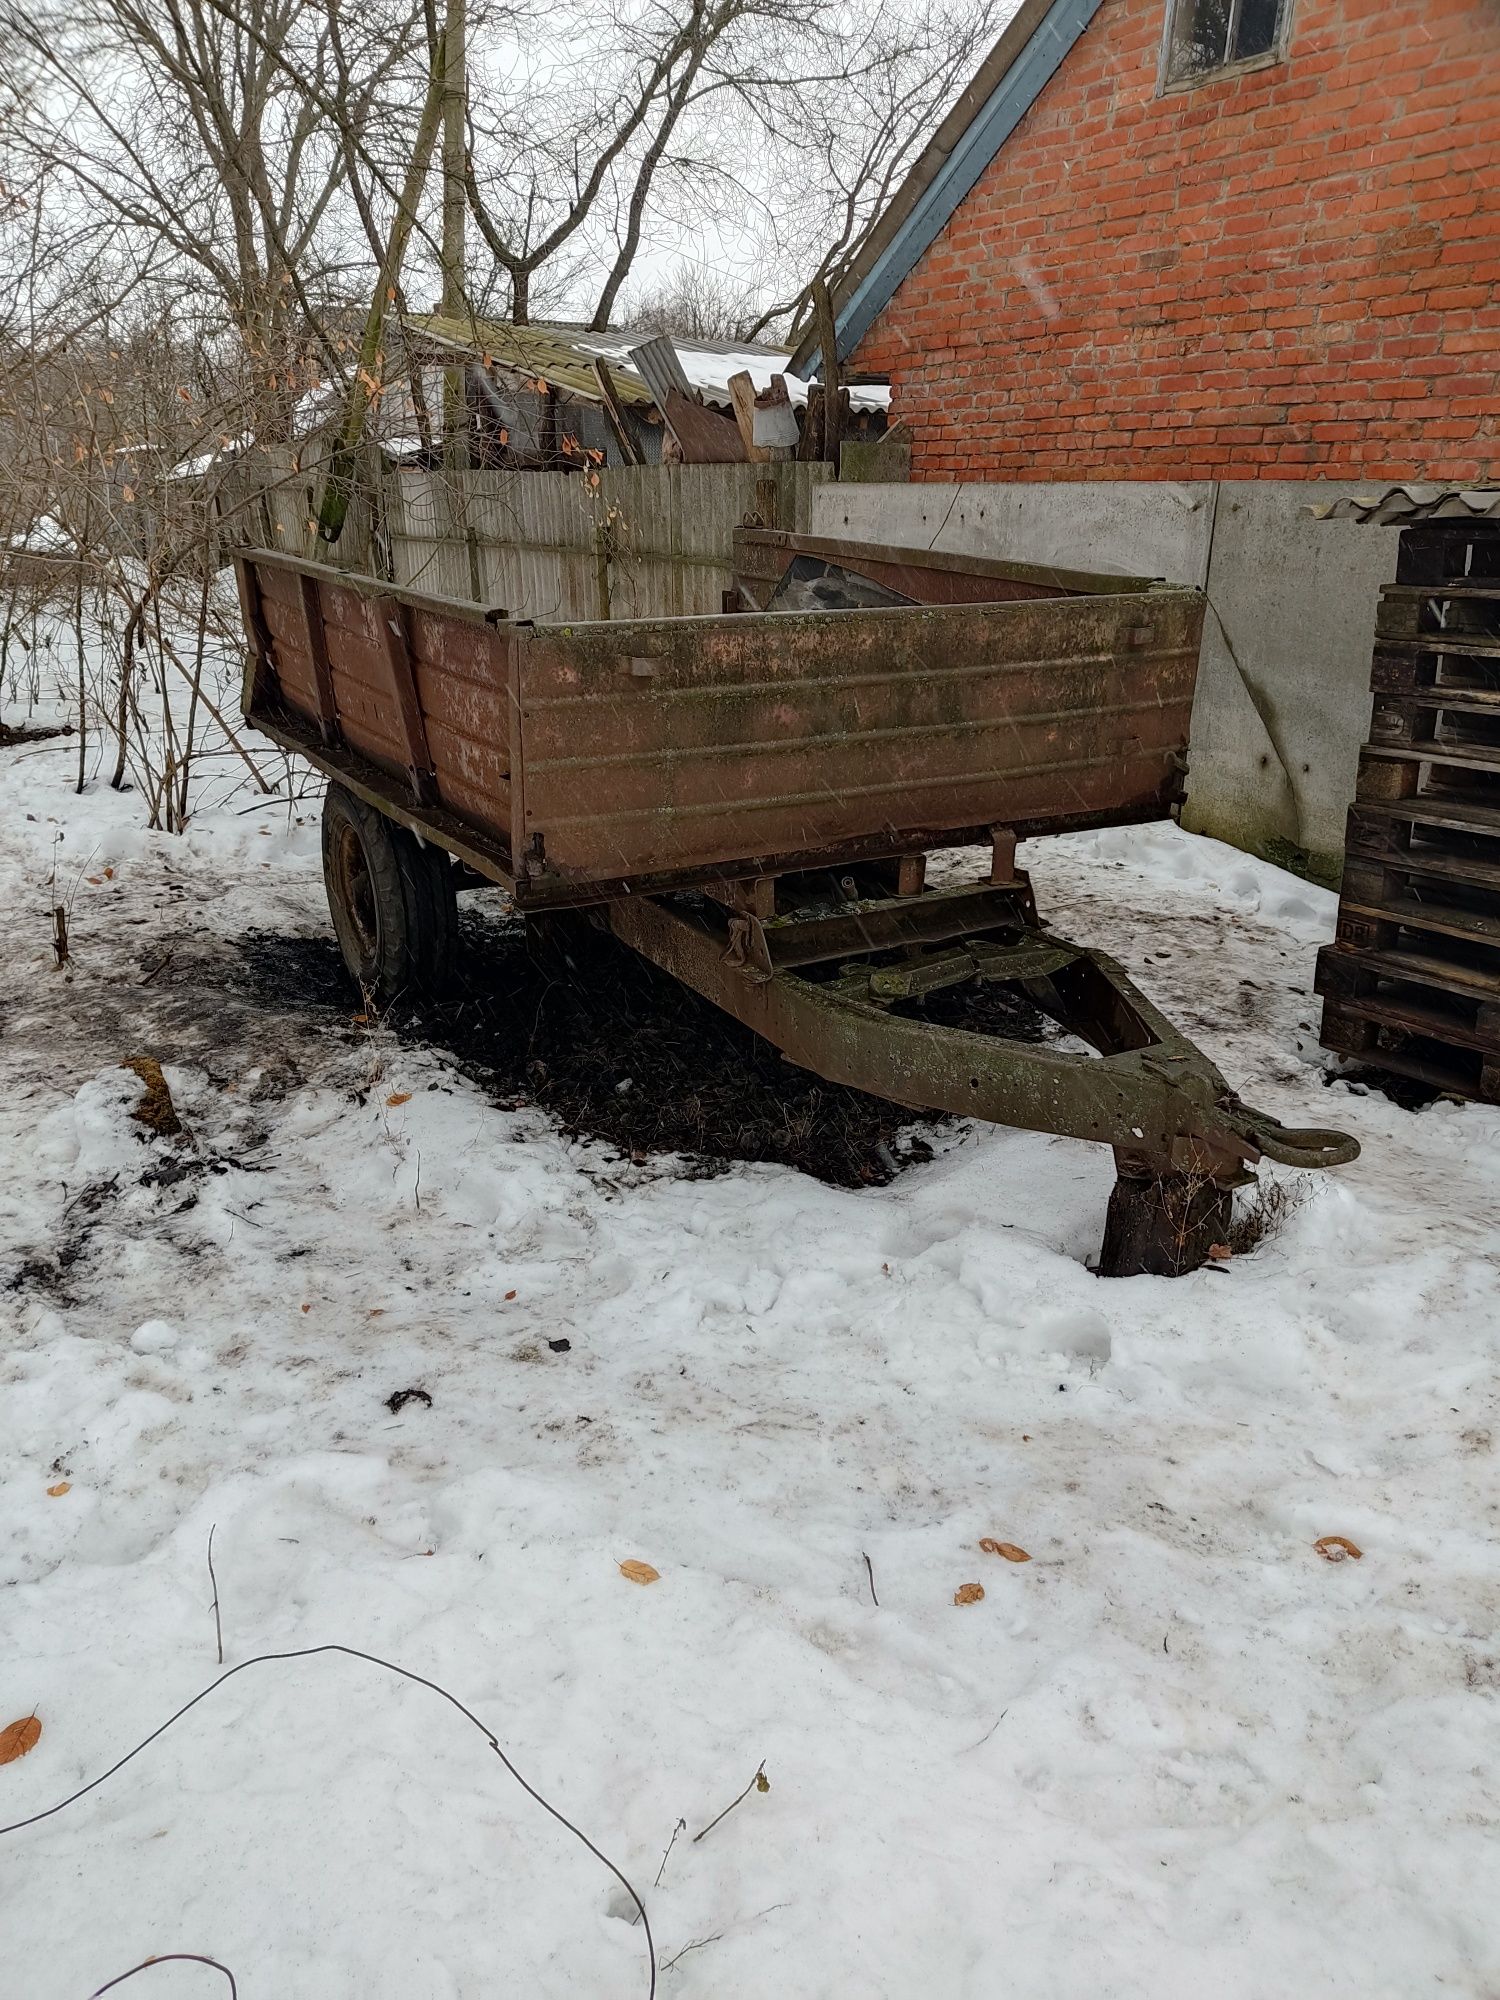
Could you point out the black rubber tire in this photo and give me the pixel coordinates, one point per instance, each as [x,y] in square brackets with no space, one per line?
[392,900]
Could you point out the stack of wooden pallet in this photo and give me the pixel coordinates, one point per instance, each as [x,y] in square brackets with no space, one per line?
[1412,984]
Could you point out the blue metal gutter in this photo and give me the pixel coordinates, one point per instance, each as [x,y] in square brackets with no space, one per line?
[1002,111]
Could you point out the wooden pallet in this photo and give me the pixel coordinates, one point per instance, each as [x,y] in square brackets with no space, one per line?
[1412,983]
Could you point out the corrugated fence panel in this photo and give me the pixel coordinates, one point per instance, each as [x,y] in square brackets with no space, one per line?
[642,542]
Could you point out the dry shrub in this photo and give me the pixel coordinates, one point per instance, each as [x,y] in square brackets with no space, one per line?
[1262,1212]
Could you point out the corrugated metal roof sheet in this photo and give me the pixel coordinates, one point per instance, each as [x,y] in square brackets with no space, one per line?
[565,356]
[656,362]
[1402,506]
[551,353]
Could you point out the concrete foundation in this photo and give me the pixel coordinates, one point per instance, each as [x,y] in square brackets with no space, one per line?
[1284,689]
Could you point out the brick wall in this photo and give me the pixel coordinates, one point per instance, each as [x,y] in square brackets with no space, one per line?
[1290,273]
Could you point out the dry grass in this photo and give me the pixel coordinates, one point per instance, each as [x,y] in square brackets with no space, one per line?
[1262,1211]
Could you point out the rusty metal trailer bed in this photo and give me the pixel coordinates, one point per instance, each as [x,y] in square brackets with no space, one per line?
[748,801]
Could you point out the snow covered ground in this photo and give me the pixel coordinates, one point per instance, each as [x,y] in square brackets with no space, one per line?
[1176,1753]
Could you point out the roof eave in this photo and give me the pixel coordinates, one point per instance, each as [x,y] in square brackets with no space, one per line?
[1030,50]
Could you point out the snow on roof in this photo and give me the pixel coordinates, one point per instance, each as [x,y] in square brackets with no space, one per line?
[709,365]
[565,357]
[45,537]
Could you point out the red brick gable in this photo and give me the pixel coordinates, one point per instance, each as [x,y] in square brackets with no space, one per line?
[1293,272]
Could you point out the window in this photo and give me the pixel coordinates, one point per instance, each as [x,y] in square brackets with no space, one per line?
[1209,35]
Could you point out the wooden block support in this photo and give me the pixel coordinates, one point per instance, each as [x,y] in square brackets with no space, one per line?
[1003,854]
[1346,1034]
[1385,779]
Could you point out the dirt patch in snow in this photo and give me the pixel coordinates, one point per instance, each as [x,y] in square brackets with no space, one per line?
[629,1057]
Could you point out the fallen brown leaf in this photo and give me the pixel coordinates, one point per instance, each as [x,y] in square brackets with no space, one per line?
[1337,1548]
[1219,1252]
[399,1097]
[638,1572]
[56,1492]
[1009,1550]
[16,1738]
[307,1309]
[968,1593]
[510,1295]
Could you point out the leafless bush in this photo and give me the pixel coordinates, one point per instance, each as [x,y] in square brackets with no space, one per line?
[1262,1211]
[196,197]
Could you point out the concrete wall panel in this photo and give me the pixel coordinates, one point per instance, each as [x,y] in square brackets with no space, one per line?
[1283,693]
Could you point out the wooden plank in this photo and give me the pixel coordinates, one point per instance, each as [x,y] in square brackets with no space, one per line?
[1438,618]
[1411,1017]
[1433,750]
[835,399]
[1426,593]
[1456,1079]
[1469,645]
[742,395]
[614,409]
[1466,869]
[1442,918]
[1461,701]
[1466,982]
[1425,809]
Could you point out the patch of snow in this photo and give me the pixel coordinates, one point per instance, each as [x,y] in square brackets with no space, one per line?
[45,537]
[708,368]
[1176,1751]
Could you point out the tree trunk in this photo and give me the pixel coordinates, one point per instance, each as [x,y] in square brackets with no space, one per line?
[455,299]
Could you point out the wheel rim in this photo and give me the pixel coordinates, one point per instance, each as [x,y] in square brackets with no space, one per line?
[355,889]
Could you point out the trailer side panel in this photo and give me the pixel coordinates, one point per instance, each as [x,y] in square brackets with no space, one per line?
[679,746]
[576,763]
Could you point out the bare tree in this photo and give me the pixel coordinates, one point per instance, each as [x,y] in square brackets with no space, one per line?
[852,147]
[694,302]
[634,128]
[199,199]
[222,140]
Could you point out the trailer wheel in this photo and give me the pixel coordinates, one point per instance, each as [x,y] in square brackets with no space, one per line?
[392,900]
